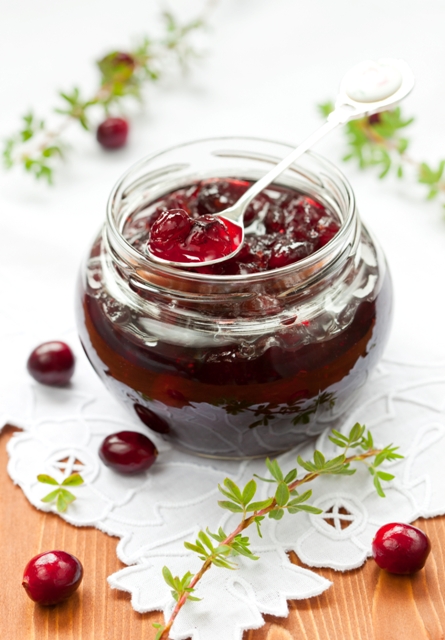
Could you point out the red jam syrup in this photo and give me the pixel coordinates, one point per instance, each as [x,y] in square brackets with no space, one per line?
[236,398]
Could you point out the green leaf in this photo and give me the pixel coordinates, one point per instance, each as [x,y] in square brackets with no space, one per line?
[193,547]
[282,494]
[246,552]
[291,476]
[335,463]
[260,505]
[339,443]
[223,564]
[61,503]
[319,459]
[51,496]
[326,108]
[275,470]
[249,491]
[264,479]
[206,540]
[168,577]
[356,432]
[378,487]
[228,494]
[160,628]
[301,498]
[42,477]
[276,514]
[258,521]
[231,506]
[67,496]
[307,465]
[307,507]
[234,489]
[74,480]
[385,476]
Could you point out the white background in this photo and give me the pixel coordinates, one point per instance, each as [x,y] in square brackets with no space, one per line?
[268,63]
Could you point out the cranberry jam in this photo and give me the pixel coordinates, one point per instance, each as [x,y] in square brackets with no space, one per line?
[285,227]
[251,356]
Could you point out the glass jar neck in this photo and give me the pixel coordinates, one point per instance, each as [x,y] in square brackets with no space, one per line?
[245,158]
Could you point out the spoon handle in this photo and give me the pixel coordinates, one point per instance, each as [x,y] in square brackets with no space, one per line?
[278,169]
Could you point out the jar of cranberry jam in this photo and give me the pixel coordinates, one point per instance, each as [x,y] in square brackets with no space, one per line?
[253,355]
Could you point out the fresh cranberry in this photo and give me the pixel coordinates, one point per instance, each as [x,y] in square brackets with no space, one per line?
[52,577]
[374,118]
[178,237]
[52,363]
[112,133]
[122,58]
[400,548]
[128,452]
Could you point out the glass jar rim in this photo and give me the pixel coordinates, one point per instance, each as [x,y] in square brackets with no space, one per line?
[323,256]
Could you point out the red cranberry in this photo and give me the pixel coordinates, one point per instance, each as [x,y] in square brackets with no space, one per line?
[374,118]
[52,577]
[122,58]
[128,452]
[112,133]
[400,548]
[51,363]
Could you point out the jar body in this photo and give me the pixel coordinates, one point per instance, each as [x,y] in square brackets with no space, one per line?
[237,367]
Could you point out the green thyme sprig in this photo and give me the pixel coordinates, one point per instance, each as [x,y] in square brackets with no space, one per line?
[122,75]
[379,141]
[286,498]
[61,496]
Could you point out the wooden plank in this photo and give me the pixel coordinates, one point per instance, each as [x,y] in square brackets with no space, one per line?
[364,604]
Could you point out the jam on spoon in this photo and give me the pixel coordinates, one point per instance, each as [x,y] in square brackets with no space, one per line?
[177,237]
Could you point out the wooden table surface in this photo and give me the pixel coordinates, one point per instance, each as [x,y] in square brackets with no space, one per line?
[364,604]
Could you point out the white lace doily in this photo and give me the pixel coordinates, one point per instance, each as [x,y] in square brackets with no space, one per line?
[154,513]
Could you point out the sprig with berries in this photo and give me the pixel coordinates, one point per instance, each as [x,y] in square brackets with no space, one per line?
[37,145]
[218,548]
[380,141]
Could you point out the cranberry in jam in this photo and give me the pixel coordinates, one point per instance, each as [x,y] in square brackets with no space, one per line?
[250,356]
[177,237]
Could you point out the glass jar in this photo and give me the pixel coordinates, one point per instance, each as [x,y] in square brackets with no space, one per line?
[234,366]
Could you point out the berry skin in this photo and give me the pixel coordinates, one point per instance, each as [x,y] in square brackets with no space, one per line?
[400,548]
[128,452]
[52,363]
[52,577]
[112,133]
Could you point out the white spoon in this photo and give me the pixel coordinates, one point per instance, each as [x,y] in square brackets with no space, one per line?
[367,88]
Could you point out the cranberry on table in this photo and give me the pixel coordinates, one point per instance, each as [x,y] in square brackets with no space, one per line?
[52,577]
[400,548]
[128,452]
[112,133]
[52,363]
